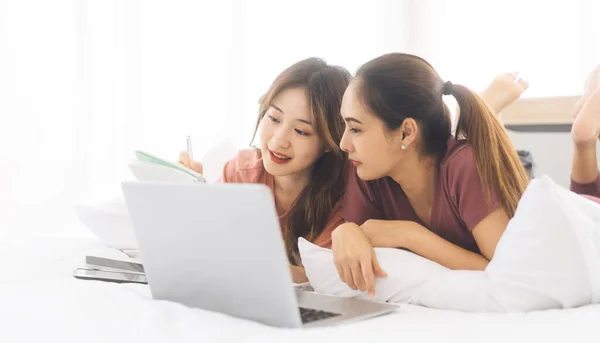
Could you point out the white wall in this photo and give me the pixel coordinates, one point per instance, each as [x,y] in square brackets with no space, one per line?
[552,153]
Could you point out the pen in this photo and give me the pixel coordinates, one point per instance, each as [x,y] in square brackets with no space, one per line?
[189,147]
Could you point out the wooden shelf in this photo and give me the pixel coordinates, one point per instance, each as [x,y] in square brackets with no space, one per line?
[547,112]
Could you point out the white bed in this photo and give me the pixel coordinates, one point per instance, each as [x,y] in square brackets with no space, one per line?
[41,301]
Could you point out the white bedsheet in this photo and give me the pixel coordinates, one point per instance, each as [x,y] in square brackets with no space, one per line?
[40,301]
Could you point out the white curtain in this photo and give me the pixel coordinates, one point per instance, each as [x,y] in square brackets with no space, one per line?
[554,44]
[84,83]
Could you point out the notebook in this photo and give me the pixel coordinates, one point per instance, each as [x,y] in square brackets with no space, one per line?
[147,167]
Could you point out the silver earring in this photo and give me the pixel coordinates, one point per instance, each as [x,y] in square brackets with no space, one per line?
[403,147]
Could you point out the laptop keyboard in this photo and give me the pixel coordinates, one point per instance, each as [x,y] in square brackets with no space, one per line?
[309,315]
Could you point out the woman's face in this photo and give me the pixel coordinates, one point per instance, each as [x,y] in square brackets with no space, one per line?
[288,141]
[371,147]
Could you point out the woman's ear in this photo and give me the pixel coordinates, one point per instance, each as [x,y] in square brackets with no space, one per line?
[408,131]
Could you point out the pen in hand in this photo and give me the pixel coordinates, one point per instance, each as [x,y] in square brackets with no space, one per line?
[195,166]
[189,147]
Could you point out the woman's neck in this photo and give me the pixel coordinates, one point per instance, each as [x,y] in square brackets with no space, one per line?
[418,181]
[288,188]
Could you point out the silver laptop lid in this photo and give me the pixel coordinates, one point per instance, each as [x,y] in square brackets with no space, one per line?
[215,247]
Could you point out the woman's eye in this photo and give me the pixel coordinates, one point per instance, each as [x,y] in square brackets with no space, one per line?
[302,133]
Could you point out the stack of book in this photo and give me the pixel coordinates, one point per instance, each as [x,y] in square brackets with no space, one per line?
[111,270]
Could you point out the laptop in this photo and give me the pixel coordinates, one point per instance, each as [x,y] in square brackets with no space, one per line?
[219,248]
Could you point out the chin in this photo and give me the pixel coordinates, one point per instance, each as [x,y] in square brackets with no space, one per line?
[277,169]
[366,175]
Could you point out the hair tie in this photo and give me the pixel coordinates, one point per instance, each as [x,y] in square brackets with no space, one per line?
[447,88]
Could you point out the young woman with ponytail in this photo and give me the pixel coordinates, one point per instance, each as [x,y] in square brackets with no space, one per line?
[414,185]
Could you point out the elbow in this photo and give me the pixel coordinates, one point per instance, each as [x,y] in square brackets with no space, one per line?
[476,262]
[481,263]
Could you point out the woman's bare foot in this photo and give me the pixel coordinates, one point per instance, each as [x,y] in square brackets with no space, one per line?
[585,131]
[586,126]
[504,90]
[591,83]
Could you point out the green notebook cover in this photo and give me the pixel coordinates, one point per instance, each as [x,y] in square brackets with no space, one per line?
[146,157]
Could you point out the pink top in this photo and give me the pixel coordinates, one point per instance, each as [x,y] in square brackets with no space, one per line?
[459,198]
[589,190]
[247,167]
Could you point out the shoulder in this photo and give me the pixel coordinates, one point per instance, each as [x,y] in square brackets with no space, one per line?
[461,179]
[459,161]
[458,152]
[246,167]
[458,169]
[247,159]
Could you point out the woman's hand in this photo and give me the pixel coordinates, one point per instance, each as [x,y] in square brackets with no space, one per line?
[184,158]
[355,258]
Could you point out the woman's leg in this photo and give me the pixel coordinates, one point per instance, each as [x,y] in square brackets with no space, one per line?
[585,133]
[503,91]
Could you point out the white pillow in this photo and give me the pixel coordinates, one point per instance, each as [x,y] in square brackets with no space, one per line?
[411,279]
[110,222]
[548,257]
[396,287]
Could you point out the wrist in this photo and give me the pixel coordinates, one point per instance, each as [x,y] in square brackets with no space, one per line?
[343,228]
[391,234]
[372,235]
[412,235]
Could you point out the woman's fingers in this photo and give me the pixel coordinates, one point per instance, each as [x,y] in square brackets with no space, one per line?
[184,158]
[186,161]
[348,277]
[357,276]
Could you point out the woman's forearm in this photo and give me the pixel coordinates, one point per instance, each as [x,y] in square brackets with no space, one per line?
[421,241]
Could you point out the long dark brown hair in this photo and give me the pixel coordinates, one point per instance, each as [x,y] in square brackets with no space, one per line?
[325,86]
[398,86]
